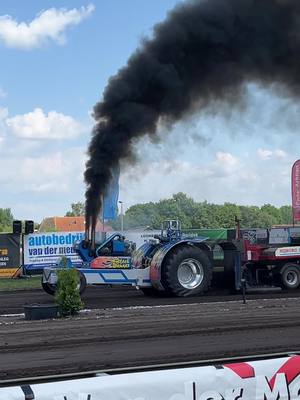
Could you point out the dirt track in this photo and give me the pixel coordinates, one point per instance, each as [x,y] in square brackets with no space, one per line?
[133,336]
[103,297]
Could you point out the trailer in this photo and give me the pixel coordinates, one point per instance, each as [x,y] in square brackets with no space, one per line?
[172,265]
[271,258]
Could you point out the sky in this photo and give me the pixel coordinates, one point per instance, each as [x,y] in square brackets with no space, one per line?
[56,59]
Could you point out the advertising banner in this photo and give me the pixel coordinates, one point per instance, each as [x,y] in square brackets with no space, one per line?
[276,379]
[111,197]
[288,251]
[9,254]
[296,190]
[140,237]
[279,236]
[45,249]
[212,234]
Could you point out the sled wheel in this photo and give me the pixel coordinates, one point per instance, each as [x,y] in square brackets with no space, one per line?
[290,276]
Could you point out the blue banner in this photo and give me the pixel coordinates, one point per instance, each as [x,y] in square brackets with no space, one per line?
[110,201]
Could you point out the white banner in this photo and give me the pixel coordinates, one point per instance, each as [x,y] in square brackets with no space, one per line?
[276,379]
[288,251]
[45,249]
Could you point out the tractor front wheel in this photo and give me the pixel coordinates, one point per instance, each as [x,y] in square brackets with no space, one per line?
[51,289]
[187,272]
[82,283]
[48,288]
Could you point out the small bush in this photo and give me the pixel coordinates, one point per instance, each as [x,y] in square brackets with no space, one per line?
[67,295]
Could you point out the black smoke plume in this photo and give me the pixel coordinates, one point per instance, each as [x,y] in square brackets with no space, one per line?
[205,51]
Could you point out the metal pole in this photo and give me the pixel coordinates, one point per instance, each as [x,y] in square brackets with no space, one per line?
[102,213]
[122,216]
[244,290]
[23,255]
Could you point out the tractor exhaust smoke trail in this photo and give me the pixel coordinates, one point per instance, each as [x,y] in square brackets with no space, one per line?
[204,52]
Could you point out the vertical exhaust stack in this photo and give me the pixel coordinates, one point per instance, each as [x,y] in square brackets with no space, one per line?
[93,239]
[238,234]
[201,55]
[90,236]
[88,233]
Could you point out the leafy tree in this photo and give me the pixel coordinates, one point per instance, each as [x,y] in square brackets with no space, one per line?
[250,216]
[226,214]
[273,214]
[77,210]
[6,220]
[204,215]
[286,215]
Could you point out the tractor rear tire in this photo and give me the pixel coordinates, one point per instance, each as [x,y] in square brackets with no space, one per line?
[48,288]
[187,271]
[290,276]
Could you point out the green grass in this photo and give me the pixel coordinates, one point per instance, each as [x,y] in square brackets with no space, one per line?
[20,284]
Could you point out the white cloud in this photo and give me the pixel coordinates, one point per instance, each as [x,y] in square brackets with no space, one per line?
[265,154]
[226,159]
[3,94]
[43,184]
[41,177]
[225,164]
[226,177]
[280,154]
[48,25]
[3,116]
[48,167]
[3,113]
[37,125]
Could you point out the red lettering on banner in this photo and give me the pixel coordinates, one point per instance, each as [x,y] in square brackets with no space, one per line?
[296,190]
[243,370]
[291,369]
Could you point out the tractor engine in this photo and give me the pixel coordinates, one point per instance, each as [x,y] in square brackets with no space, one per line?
[114,246]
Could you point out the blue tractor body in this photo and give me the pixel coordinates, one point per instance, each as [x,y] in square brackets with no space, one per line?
[168,262]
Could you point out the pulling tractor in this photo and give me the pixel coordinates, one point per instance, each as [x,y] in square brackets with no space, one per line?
[174,265]
[167,263]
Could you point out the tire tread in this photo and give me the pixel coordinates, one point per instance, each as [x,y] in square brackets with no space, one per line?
[172,284]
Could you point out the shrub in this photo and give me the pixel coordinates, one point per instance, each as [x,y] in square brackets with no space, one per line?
[67,295]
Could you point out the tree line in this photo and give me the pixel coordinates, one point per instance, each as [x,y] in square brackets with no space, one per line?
[195,215]
[192,214]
